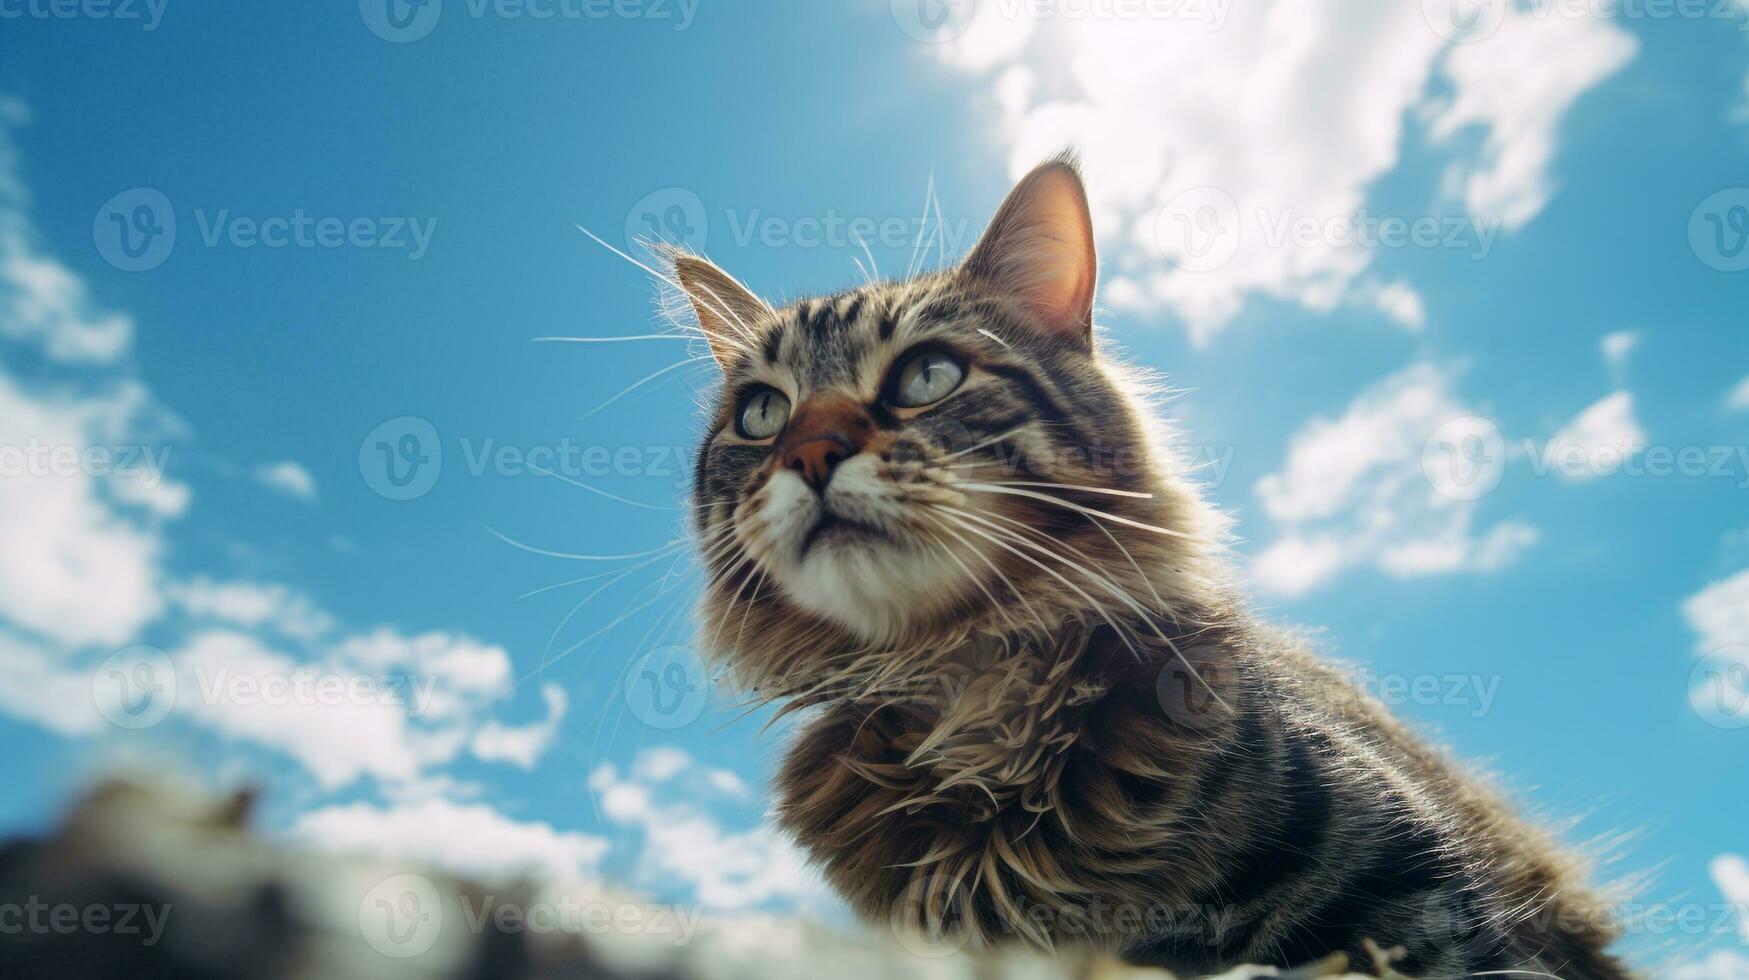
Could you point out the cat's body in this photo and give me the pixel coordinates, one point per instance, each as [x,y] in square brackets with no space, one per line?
[942,525]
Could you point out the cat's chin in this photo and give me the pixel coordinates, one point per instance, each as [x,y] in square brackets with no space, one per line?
[878,589]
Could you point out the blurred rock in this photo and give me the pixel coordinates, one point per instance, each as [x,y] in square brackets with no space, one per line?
[146,882]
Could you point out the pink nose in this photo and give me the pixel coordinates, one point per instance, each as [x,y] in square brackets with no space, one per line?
[823,432]
[817,458]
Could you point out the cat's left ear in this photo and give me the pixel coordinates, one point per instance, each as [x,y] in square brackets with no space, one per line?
[1040,247]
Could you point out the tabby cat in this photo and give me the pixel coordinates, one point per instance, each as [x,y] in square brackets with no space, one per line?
[936,515]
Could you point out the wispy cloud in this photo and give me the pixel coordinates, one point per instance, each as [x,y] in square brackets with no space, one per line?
[1738,399]
[1365,490]
[465,838]
[1618,346]
[1600,439]
[286,477]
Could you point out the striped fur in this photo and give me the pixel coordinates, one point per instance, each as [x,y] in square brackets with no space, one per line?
[1035,709]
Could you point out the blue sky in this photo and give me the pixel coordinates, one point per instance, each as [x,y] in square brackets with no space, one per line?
[1351,238]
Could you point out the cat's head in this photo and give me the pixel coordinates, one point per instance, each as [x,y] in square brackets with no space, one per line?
[908,462]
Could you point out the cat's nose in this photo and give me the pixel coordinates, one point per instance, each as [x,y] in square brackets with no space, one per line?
[824,432]
[816,459]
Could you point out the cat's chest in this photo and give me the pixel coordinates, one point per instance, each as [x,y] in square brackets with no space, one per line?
[959,778]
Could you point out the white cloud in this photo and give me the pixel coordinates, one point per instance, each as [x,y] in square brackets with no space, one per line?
[39,688]
[44,304]
[522,746]
[660,799]
[1719,613]
[1355,491]
[1293,111]
[223,681]
[85,503]
[1730,872]
[466,838]
[470,672]
[1598,441]
[379,705]
[1617,346]
[1738,399]
[286,477]
[252,605]
[1400,302]
[1517,85]
[83,488]
[75,568]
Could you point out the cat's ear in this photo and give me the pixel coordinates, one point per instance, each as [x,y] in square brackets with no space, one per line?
[726,309]
[1040,247]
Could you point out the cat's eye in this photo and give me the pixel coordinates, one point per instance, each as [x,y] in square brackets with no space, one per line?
[764,413]
[925,378]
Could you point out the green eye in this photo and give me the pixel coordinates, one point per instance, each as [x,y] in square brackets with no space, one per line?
[764,413]
[926,378]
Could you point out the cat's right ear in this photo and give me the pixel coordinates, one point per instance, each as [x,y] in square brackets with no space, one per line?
[726,309]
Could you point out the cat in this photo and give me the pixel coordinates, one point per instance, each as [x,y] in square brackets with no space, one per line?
[939,520]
